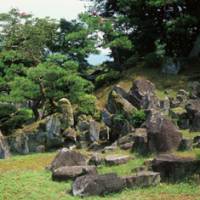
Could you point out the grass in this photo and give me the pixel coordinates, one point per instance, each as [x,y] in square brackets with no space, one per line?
[24,178]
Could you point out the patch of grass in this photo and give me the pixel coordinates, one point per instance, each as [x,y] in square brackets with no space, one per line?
[24,178]
[189,135]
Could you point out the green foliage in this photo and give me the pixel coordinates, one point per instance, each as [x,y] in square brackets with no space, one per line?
[119,118]
[137,118]
[107,78]
[16,120]
[87,104]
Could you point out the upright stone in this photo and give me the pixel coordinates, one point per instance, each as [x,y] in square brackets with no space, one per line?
[4,149]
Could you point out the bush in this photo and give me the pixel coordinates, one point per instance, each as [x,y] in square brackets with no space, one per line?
[87,105]
[137,118]
[106,78]
[16,121]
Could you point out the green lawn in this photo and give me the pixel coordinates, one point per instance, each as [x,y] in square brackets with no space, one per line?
[24,178]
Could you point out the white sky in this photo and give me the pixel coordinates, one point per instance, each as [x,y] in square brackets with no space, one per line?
[68,9]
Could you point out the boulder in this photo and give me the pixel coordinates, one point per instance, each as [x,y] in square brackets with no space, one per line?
[117,160]
[72,172]
[171,66]
[142,94]
[106,117]
[163,136]
[126,142]
[67,112]
[142,179]
[174,168]
[165,105]
[89,185]
[117,103]
[4,148]
[66,157]
[53,130]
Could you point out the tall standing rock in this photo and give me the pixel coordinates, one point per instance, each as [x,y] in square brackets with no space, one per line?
[163,136]
[67,112]
[4,149]
[142,94]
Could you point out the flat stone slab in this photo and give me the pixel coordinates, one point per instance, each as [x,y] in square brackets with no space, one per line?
[174,168]
[117,160]
[71,172]
[89,185]
[142,179]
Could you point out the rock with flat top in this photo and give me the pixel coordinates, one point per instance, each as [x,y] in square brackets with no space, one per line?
[71,172]
[117,160]
[66,157]
[175,168]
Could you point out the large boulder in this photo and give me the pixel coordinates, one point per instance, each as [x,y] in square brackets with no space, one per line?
[72,172]
[89,185]
[163,135]
[4,149]
[174,168]
[118,103]
[142,179]
[142,94]
[53,131]
[66,157]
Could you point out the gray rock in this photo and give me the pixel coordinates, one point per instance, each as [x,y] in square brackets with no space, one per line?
[174,168]
[193,111]
[140,144]
[94,131]
[53,129]
[4,148]
[142,95]
[117,160]
[72,172]
[171,66]
[118,104]
[67,157]
[163,135]
[67,113]
[107,118]
[142,179]
[90,185]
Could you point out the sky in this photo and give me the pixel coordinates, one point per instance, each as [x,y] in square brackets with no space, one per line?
[57,9]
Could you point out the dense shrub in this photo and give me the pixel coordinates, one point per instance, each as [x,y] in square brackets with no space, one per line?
[106,78]
[137,118]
